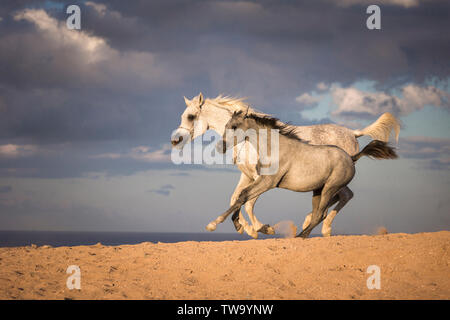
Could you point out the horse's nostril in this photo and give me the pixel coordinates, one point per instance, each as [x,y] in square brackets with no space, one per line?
[175,142]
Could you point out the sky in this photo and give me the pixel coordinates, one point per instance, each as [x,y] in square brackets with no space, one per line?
[86,115]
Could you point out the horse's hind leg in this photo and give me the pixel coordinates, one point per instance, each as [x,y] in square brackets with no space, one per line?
[345,195]
[321,201]
[307,221]
[315,205]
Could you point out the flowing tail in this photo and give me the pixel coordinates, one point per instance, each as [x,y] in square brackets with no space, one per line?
[376,149]
[381,129]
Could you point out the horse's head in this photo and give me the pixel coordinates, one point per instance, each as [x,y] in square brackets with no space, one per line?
[193,124]
[236,131]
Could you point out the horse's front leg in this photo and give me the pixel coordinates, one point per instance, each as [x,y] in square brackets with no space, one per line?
[239,221]
[259,186]
[257,225]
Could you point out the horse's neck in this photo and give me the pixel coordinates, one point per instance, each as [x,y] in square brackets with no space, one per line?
[217,117]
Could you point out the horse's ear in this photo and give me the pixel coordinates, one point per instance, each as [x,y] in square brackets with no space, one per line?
[187,101]
[201,100]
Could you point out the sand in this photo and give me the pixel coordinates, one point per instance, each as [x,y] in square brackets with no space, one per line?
[412,266]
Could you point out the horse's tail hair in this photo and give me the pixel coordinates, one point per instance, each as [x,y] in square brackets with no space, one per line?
[381,128]
[376,149]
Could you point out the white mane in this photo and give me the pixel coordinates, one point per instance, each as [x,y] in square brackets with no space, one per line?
[233,104]
[230,103]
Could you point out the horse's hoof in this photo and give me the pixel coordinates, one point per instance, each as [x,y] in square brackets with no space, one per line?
[211,226]
[266,229]
[254,235]
[302,235]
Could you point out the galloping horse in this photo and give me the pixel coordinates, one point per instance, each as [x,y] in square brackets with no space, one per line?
[302,167]
[202,114]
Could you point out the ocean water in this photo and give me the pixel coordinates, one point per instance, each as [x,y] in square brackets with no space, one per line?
[74,238]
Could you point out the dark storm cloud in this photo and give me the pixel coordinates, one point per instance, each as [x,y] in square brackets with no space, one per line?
[317,39]
[5,189]
[121,79]
[91,159]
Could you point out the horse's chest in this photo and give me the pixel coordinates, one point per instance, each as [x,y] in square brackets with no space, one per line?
[246,158]
[250,171]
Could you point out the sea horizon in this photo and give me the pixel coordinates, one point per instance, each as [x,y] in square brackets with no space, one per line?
[20,238]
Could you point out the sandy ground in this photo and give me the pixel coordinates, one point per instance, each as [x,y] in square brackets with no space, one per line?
[412,266]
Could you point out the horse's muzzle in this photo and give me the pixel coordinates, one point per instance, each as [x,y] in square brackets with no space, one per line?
[176,142]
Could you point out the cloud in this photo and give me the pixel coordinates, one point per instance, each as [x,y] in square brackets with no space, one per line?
[401,3]
[432,153]
[163,190]
[119,82]
[421,147]
[15,151]
[79,57]
[308,100]
[322,86]
[180,174]
[5,189]
[100,8]
[142,153]
[92,49]
[146,154]
[354,103]
[60,85]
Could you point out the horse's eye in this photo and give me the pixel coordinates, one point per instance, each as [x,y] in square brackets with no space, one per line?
[191,117]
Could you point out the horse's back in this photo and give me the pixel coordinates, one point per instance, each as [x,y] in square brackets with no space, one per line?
[329,134]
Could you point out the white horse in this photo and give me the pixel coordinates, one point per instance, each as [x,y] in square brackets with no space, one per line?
[203,114]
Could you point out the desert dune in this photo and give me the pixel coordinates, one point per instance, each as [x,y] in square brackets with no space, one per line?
[412,266]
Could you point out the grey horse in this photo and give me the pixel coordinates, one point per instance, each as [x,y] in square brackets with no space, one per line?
[202,114]
[302,167]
